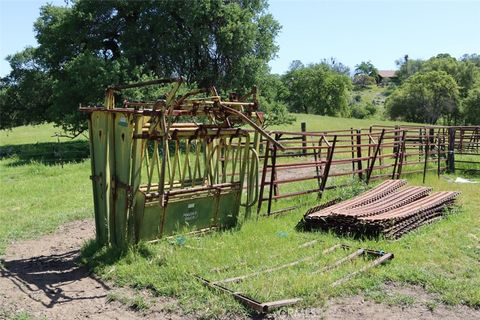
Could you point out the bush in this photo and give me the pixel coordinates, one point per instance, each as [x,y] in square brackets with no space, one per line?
[362,80]
[362,111]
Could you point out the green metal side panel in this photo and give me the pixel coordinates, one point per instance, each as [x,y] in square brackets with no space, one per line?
[150,222]
[189,214]
[228,209]
[135,179]
[98,130]
[123,135]
[184,214]
[138,214]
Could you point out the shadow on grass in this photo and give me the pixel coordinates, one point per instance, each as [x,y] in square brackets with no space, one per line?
[48,153]
[95,255]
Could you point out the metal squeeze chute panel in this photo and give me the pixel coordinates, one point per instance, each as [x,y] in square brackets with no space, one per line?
[99,138]
[123,132]
[157,170]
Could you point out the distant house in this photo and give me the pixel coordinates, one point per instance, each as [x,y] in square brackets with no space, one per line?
[386,76]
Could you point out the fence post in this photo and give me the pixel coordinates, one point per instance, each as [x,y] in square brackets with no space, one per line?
[303,128]
[426,153]
[438,153]
[264,176]
[352,142]
[317,155]
[451,150]
[359,154]
[327,165]
[273,176]
[377,150]
[402,152]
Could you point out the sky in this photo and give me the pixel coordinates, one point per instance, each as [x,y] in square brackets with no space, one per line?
[349,31]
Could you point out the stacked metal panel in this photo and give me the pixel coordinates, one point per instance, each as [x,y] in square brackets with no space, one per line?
[391,209]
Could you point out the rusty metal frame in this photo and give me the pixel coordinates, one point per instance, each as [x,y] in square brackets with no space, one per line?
[403,150]
[260,307]
[265,307]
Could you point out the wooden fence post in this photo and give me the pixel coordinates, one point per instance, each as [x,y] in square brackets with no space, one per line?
[303,128]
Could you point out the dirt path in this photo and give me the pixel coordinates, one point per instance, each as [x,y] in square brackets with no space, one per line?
[43,279]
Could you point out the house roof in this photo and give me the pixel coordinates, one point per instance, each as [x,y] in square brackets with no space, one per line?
[387,73]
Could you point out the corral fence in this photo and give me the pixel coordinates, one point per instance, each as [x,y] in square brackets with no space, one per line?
[311,159]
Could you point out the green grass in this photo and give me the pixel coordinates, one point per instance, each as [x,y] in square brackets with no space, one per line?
[37,196]
[321,123]
[442,258]
[32,134]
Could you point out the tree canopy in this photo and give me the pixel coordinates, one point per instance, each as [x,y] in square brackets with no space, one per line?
[92,44]
[425,97]
[414,74]
[471,107]
[317,89]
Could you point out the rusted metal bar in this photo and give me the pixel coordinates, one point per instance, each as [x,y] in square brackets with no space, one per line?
[353,151]
[374,263]
[264,175]
[260,307]
[359,155]
[276,213]
[279,267]
[327,166]
[451,150]
[438,153]
[254,125]
[273,177]
[427,152]
[318,168]
[303,128]
[377,150]
[351,256]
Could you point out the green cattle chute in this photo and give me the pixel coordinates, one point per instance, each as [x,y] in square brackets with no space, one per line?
[155,172]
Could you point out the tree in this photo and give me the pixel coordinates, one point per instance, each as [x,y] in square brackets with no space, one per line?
[471,107]
[209,42]
[465,73]
[362,80]
[367,69]
[407,67]
[25,94]
[425,97]
[317,89]
[474,58]
[336,66]
[272,93]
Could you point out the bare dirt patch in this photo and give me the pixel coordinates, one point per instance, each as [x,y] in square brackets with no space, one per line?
[43,279]
[399,302]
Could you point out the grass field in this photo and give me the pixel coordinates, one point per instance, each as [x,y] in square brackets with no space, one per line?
[38,195]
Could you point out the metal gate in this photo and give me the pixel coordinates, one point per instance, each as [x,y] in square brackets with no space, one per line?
[157,171]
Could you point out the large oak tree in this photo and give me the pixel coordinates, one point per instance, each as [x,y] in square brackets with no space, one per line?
[91,44]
